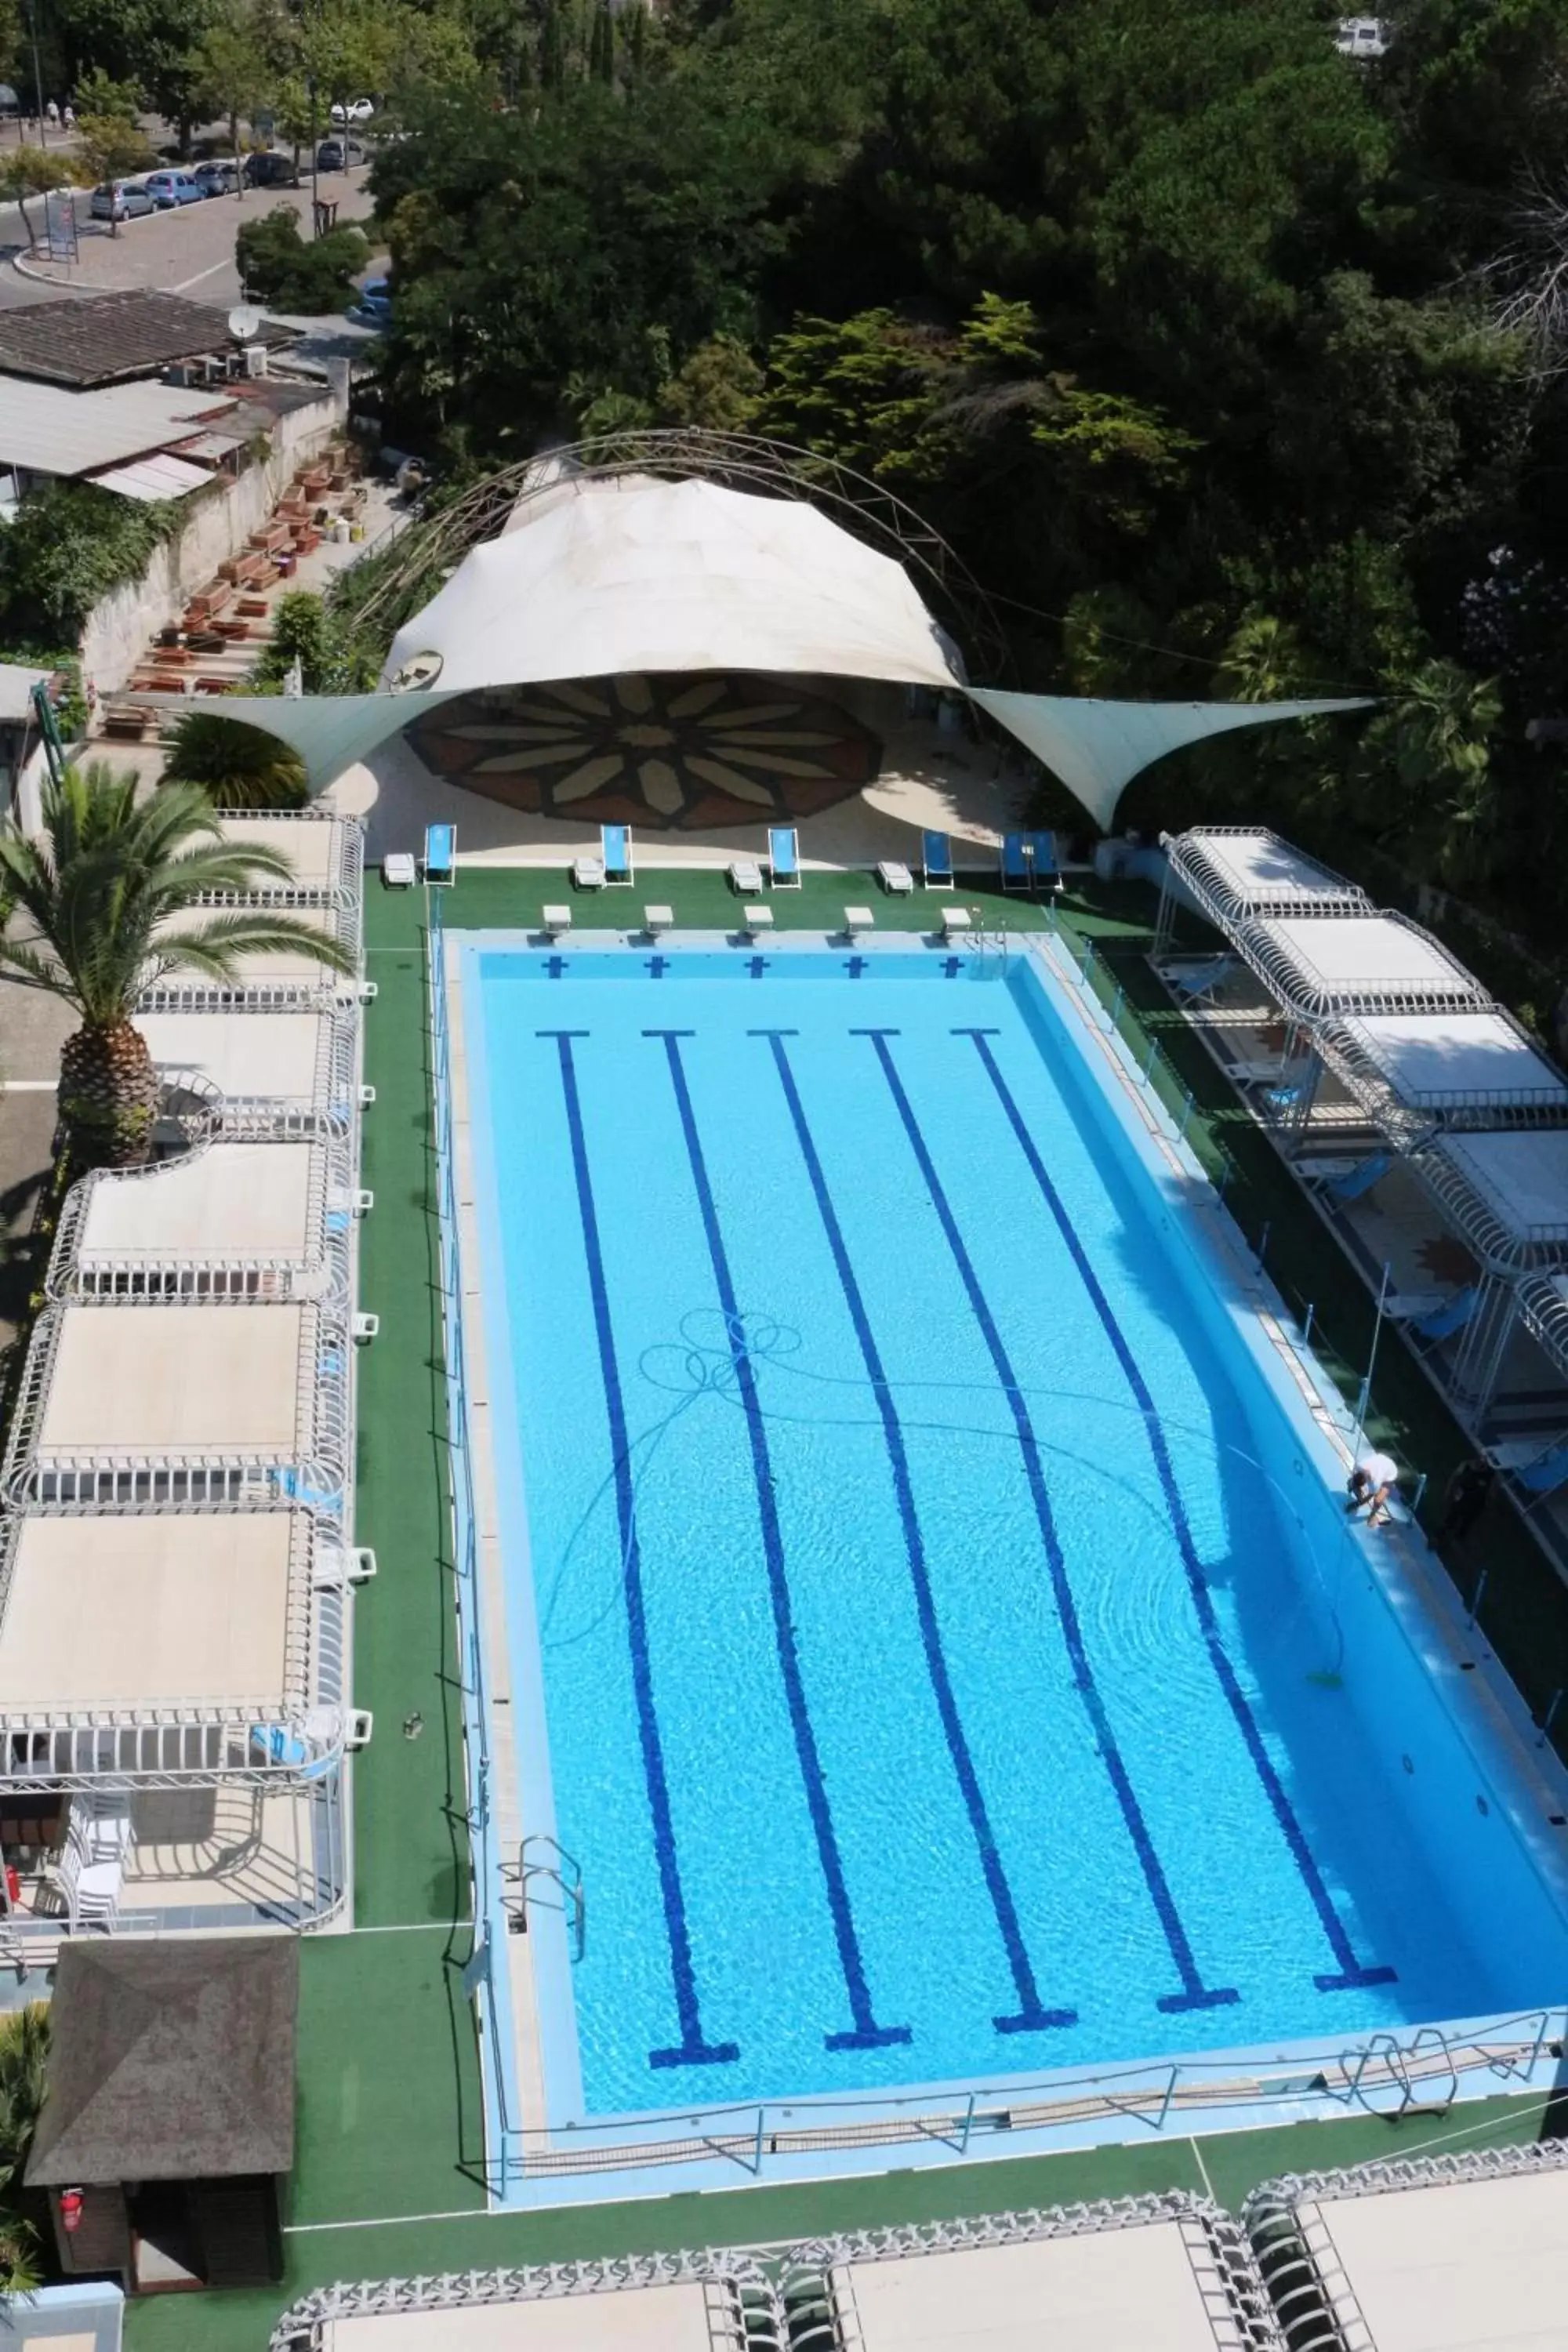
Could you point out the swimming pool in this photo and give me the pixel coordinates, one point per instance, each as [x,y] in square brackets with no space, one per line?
[930,1638]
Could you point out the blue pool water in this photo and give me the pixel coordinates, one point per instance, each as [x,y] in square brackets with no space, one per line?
[945,1651]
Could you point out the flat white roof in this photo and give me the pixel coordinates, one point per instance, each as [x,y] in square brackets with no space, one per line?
[167,1609]
[175,1380]
[1452,2266]
[310,844]
[273,1055]
[1325,965]
[1113,2289]
[632,2319]
[1520,1175]
[1430,1060]
[1258,869]
[232,1201]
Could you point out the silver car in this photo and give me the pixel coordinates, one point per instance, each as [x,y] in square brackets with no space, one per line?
[119,200]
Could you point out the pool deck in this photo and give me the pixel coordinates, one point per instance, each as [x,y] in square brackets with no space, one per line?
[389,2133]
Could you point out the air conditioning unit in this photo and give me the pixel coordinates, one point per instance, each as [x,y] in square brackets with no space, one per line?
[255,359]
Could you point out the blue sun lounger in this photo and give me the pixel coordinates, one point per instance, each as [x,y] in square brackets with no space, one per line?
[784,857]
[615,851]
[936,862]
[441,853]
[1442,1322]
[1029,859]
[1360,1179]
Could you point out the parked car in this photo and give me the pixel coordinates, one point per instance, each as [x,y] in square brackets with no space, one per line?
[373,304]
[338,154]
[218,178]
[357,110]
[119,200]
[1362,37]
[9,101]
[168,189]
[269,171]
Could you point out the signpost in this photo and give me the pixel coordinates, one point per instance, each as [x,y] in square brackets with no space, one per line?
[60,224]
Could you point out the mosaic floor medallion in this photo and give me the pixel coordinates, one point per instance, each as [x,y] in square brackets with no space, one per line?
[679,754]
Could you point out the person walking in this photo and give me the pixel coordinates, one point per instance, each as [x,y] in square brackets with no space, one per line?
[52,115]
[1465,1496]
[68,119]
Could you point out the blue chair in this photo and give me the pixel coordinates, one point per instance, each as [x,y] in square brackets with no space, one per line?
[936,862]
[1442,1322]
[616,850]
[1194,983]
[1027,860]
[784,857]
[1361,1178]
[441,853]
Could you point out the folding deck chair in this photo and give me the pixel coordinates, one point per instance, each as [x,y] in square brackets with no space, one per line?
[1194,983]
[1540,1469]
[784,857]
[1029,859]
[936,862]
[615,856]
[1354,1181]
[441,853]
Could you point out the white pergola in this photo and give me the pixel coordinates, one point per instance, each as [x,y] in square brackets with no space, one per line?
[261,1219]
[290,1073]
[325,849]
[1507,1191]
[282,978]
[1414,1073]
[1338,967]
[1238,874]
[702,2300]
[1435,2254]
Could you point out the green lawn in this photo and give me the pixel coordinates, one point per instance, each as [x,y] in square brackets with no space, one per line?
[389,2121]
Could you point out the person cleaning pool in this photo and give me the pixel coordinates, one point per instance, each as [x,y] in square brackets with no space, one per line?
[1374,1478]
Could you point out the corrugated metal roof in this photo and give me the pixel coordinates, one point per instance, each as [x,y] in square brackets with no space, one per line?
[98,338]
[151,478]
[15,689]
[48,431]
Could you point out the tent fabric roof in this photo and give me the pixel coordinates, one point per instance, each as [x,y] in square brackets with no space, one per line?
[179,1382]
[170,2061]
[46,431]
[1322,965]
[634,574]
[1478,1065]
[1244,874]
[1097,747]
[638,2319]
[232,1202]
[276,1056]
[1508,1190]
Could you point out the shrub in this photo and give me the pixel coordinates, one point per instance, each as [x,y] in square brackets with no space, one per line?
[69,545]
[238,767]
[281,268]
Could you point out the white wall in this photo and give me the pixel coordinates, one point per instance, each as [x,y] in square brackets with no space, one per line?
[218,524]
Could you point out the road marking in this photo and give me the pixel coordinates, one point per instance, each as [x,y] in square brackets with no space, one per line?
[28,1085]
[197,280]
[1203,2172]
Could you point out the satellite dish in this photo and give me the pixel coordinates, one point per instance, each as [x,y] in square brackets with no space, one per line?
[245,322]
[420,670]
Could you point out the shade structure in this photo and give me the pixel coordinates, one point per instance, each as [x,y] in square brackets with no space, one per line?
[1097,747]
[323,849]
[1244,874]
[257,1219]
[272,1070]
[1542,1303]
[1320,966]
[1439,2254]
[698,2301]
[1448,1068]
[284,975]
[1507,1191]
[190,1614]
[638,2319]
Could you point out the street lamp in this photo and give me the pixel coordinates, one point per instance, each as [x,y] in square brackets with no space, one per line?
[38,76]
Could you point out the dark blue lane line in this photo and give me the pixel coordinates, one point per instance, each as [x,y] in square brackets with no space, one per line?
[693,2049]
[1032,2016]
[866,2034]
[1351,1974]
[1194,1993]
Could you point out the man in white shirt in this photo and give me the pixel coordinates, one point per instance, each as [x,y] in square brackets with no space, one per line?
[1373,1481]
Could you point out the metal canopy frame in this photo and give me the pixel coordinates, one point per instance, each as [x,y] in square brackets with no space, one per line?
[1504,1249]
[188,991]
[159,1743]
[312,1470]
[1409,1120]
[1191,862]
[224,1277]
[1306,1000]
[330,1109]
[1543,1311]
[346,882]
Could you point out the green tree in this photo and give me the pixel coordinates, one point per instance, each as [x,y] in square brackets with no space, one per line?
[237,767]
[32,171]
[68,544]
[601,44]
[290,272]
[103,903]
[235,72]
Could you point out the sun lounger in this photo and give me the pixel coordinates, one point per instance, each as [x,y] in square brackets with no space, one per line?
[588,873]
[1194,983]
[936,861]
[1540,1468]
[896,879]
[615,856]
[1445,1317]
[954,922]
[784,857]
[745,875]
[556,920]
[1356,1180]
[397,870]
[1029,860]
[441,853]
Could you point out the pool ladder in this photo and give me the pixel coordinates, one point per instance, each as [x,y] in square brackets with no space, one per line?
[562,1872]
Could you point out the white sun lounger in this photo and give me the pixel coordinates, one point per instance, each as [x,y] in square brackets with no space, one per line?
[588,873]
[745,875]
[398,871]
[895,879]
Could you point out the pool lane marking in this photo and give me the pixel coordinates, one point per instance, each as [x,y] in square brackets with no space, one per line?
[1194,1993]
[1353,1975]
[866,2033]
[1033,2016]
[694,2049]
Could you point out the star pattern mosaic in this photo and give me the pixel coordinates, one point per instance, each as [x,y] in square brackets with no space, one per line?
[677,754]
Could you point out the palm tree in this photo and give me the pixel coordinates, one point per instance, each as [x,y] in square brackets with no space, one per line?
[237,767]
[24,2078]
[98,892]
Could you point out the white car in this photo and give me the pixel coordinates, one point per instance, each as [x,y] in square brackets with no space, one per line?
[355,109]
[1362,37]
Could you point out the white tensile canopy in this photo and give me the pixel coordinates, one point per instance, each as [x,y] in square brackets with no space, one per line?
[1479,1066]
[615,577]
[1244,874]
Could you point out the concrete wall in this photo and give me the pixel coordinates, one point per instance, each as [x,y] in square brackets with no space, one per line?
[218,524]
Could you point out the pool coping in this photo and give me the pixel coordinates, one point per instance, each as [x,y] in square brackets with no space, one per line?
[1484,1707]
